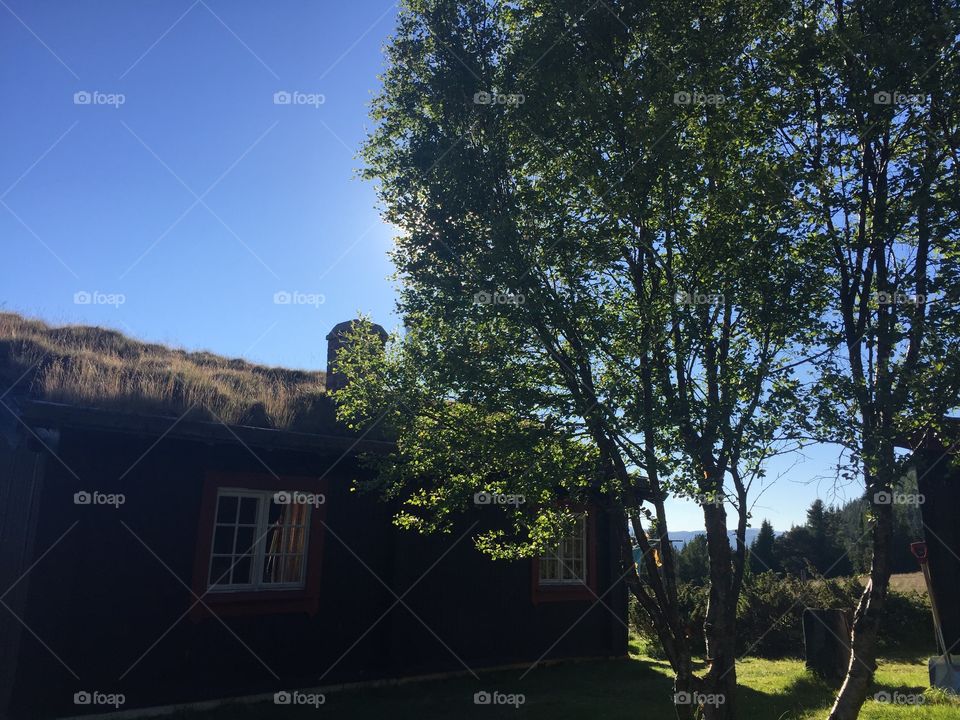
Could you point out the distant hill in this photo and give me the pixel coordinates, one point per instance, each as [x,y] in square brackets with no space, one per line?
[682,537]
[686,536]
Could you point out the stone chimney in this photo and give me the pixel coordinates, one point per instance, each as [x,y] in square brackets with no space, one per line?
[336,339]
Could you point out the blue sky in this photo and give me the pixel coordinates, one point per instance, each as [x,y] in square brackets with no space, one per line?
[145,159]
[109,199]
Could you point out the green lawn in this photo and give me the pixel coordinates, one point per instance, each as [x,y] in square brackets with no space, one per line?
[638,688]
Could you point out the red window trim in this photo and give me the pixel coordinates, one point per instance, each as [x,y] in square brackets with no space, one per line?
[257,602]
[561,593]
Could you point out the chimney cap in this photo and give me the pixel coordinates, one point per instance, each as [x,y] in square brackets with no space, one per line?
[335,341]
[340,328]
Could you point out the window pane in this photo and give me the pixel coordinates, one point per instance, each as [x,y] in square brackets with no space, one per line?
[223,539]
[278,512]
[273,569]
[242,536]
[227,509]
[220,570]
[548,568]
[292,568]
[576,568]
[274,540]
[567,564]
[295,540]
[248,510]
[245,539]
[242,570]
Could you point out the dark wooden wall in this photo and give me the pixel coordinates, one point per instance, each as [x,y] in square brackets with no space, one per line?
[101,599]
[939,481]
[21,474]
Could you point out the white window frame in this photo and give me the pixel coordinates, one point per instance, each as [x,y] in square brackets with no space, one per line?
[264,498]
[557,557]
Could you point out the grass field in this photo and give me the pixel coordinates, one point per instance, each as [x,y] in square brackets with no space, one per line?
[634,688]
[908,582]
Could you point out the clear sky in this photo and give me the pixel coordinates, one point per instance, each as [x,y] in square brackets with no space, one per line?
[146,158]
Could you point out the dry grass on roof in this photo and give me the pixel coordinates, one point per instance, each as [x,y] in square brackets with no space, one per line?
[96,367]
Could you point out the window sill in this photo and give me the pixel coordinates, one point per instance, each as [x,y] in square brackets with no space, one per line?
[562,593]
[255,602]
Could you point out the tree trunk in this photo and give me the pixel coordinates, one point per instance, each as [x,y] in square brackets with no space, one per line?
[866,621]
[666,623]
[685,683]
[684,686]
[720,683]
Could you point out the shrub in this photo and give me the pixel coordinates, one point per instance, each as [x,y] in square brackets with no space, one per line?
[770,615]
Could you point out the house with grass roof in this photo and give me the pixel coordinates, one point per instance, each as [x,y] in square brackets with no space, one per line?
[179,527]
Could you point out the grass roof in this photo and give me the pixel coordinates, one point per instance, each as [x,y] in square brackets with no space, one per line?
[100,368]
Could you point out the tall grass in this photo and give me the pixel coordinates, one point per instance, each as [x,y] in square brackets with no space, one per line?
[96,367]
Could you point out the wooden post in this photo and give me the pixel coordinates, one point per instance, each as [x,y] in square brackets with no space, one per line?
[826,639]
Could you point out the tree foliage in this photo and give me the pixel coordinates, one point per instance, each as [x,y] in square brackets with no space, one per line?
[623,227]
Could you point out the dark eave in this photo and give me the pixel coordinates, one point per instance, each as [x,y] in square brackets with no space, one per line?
[39,413]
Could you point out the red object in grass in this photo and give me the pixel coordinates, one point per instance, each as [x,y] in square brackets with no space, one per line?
[919,550]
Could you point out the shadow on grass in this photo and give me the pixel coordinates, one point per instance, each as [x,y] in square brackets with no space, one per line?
[796,698]
[913,656]
[615,689]
[610,689]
